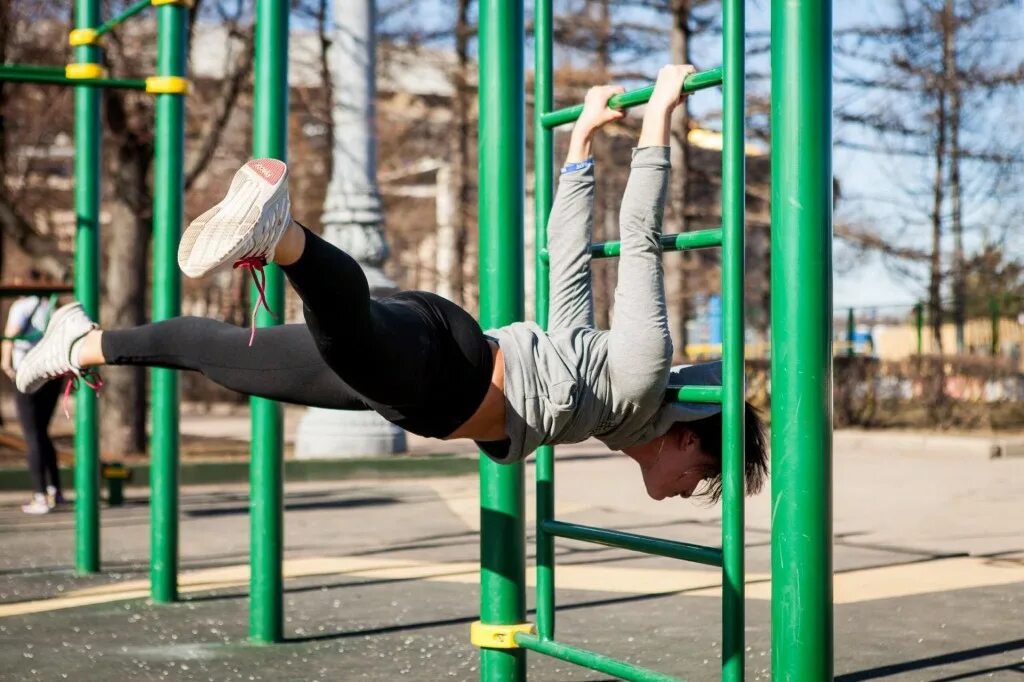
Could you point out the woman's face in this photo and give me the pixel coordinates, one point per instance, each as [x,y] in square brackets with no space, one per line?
[673,465]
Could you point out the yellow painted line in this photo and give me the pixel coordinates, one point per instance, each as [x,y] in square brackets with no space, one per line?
[850,587]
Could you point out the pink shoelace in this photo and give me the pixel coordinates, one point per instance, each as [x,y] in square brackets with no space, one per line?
[89,377]
[255,264]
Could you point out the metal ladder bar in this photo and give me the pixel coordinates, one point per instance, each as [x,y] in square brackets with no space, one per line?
[697,81]
[730,236]
[590,659]
[684,551]
[698,239]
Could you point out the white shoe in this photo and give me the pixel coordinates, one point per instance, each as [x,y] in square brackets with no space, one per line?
[38,505]
[51,357]
[54,497]
[245,227]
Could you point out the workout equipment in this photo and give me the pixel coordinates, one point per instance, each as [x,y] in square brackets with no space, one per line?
[87,75]
[169,85]
[801,205]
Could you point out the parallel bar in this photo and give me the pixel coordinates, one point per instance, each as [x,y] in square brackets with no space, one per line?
[35,69]
[270,139]
[41,289]
[42,77]
[733,407]
[711,556]
[698,239]
[168,216]
[698,81]
[543,165]
[591,660]
[131,11]
[88,167]
[694,394]
[502,146]
[801,373]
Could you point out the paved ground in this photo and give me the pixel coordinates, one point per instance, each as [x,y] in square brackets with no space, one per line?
[929,558]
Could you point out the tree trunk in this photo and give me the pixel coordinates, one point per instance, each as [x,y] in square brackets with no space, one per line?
[677,268]
[459,157]
[951,84]
[125,267]
[605,223]
[938,194]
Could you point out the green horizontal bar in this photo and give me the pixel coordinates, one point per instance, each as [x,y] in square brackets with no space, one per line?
[700,239]
[697,81]
[45,78]
[712,556]
[34,69]
[591,660]
[110,24]
[695,394]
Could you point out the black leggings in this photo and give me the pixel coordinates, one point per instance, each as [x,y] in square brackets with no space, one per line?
[34,413]
[417,359]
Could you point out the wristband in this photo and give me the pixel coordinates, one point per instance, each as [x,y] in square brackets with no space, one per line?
[579,165]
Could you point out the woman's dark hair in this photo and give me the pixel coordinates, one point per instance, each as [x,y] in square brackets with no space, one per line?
[709,433]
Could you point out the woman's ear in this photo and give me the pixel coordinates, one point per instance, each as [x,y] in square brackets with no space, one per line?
[683,436]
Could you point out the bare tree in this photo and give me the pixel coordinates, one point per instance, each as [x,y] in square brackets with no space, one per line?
[930,86]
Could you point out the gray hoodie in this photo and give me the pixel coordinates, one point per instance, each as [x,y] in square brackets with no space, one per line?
[573,381]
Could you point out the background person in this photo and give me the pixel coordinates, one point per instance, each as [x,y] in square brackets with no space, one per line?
[26,321]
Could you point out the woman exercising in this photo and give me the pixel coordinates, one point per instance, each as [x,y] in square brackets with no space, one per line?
[421,361]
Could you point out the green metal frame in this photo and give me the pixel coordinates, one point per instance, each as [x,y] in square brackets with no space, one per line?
[505,483]
[87,292]
[801,364]
[168,216]
[270,139]
[502,145]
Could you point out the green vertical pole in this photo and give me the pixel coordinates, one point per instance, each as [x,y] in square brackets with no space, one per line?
[733,404]
[270,139]
[919,323]
[850,331]
[502,539]
[801,376]
[87,291]
[168,190]
[543,163]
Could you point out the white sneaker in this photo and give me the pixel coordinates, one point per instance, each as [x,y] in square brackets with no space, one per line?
[54,497]
[51,357]
[245,227]
[38,505]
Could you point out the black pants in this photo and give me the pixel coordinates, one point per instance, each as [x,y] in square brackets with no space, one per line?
[416,358]
[35,410]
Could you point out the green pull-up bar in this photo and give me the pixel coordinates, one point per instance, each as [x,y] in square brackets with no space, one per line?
[55,75]
[633,98]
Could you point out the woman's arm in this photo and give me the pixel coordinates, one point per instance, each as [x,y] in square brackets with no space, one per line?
[15,324]
[570,223]
[639,345]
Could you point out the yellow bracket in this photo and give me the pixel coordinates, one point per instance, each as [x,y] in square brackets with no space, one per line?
[181,3]
[84,36]
[84,71]
[498,636]
[167,85]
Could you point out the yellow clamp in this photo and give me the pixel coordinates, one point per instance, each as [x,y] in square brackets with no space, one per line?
[84,71]
[181,3]
[167,85]
[498,636]
[115,472]
[84,36]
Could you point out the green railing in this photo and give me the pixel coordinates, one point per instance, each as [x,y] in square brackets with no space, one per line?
[730,236]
